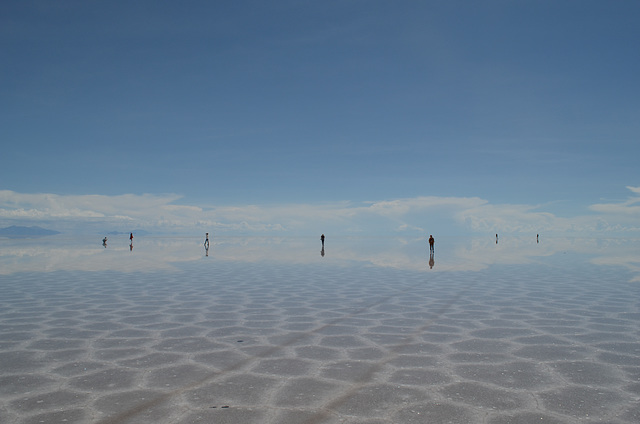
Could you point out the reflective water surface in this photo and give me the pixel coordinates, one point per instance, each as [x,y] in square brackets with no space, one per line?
[451,254]
[266,330]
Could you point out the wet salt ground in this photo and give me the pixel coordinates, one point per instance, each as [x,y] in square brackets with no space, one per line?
[233,342]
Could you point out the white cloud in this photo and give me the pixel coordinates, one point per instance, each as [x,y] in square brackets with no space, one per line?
[630,207]
[621,216]
[636,190]
[46,205]
[417,215]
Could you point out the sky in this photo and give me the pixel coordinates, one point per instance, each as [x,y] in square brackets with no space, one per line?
[299,117]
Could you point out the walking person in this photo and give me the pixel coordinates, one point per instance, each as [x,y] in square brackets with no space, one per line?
[431,243]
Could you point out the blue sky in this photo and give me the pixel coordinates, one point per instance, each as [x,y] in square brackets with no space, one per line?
[262,115]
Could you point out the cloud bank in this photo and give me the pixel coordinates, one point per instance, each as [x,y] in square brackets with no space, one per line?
[165,214]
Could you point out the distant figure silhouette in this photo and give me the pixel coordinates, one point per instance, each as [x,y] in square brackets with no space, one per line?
[496,239]
[431,243]
[104,242]
[206,242]
[537,238]
[322,240]
[131,237]
[432,262]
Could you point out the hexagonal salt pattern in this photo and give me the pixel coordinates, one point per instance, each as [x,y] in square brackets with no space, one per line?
[274,343]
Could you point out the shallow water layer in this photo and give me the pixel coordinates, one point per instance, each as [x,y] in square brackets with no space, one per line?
[276,331]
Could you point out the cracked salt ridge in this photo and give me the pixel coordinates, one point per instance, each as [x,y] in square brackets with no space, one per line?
[507,346]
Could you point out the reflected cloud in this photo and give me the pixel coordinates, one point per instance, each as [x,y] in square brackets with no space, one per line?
[620,253]
[59,253]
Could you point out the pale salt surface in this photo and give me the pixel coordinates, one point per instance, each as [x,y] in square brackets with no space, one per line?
[270,331]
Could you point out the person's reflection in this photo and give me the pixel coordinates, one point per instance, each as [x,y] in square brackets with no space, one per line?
[206,249]
[104,242]
[131,246]
[322,252]
[432,261]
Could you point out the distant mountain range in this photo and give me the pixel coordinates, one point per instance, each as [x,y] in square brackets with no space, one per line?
[17,231]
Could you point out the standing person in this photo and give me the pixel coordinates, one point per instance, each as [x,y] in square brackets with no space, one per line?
[431,243]
[206,240]
[322,240]
[131,237]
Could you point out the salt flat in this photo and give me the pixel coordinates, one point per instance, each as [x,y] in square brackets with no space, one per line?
[270,331]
